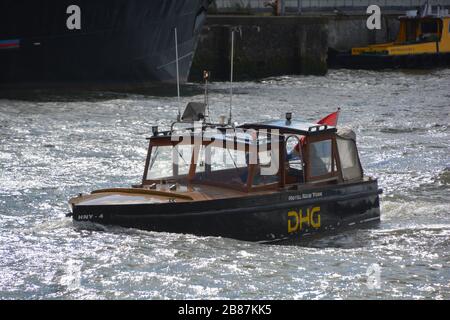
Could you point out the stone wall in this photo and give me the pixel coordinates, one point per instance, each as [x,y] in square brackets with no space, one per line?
[274,46]
[345,32]
[264,47]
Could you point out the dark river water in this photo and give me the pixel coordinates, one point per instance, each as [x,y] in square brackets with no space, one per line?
[56,147]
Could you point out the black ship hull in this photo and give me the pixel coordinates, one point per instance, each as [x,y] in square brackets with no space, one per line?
[380,62]
[119,42]
[289,216]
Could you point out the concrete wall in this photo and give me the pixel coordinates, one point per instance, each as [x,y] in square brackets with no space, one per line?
[264,46]
[273,46]
[345,32]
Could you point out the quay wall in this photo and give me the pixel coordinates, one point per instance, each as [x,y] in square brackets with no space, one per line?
[345,32]
[264,47]
[268,46]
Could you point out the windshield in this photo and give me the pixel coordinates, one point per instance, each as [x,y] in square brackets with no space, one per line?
[222,166]
[160,165]
[233,161]
[214,164]
[320,158]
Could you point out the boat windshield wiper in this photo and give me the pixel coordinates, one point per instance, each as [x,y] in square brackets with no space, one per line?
[154,158]
[181,156]
[234,162]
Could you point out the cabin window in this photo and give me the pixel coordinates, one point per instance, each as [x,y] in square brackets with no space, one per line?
[222,159]
[182,154]
[411,31]
[320,158]
[266,172]
[294,159]
[222,165]
[347,153]
[160,165]
[348,156]
[430,31]
[265,158]
[429,27]
[201,162]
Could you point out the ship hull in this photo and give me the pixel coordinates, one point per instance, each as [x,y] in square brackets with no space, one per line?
[284,217]
[379,62]
[120,42]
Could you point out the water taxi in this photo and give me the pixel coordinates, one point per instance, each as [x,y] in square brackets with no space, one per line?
[276,181]
[423,41]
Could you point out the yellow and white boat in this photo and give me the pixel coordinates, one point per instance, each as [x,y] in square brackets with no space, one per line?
[423,40]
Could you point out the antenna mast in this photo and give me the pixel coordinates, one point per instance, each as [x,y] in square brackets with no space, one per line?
[178,74]
[206,78]
[231,75]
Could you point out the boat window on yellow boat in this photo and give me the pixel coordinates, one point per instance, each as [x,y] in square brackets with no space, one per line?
[429,27]
[160,165]
[411,31]
[320,158]
[430,31]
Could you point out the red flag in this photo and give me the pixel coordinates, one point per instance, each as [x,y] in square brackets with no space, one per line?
[330,120]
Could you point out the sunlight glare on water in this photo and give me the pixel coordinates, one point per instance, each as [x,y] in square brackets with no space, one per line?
[52,150]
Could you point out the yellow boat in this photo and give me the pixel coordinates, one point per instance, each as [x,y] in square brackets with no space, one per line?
[423,40]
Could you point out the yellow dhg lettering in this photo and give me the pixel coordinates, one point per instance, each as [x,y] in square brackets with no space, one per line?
[315,224]
[297,221]
[303,219]
[290,227]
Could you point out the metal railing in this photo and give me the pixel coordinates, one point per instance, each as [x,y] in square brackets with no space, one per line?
[323,4]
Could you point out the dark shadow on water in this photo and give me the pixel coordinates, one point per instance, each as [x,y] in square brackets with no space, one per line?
[405,71]
[94,95]
[348,238]
[345,239]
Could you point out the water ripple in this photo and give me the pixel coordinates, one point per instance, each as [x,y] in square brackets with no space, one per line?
[53,148]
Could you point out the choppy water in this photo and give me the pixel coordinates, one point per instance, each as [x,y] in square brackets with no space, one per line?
[53,150]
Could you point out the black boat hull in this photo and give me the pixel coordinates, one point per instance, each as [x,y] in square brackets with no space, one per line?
[379,62]
[286,216]
[120,43]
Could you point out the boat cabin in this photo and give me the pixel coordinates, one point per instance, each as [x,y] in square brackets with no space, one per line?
[273,155]
[418,34]
[423,29]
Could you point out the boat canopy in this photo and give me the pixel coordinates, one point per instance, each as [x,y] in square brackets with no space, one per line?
[252,156]
[291,127]
[348,154]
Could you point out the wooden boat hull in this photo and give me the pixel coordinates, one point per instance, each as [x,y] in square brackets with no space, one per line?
[378,61]
[283,216]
